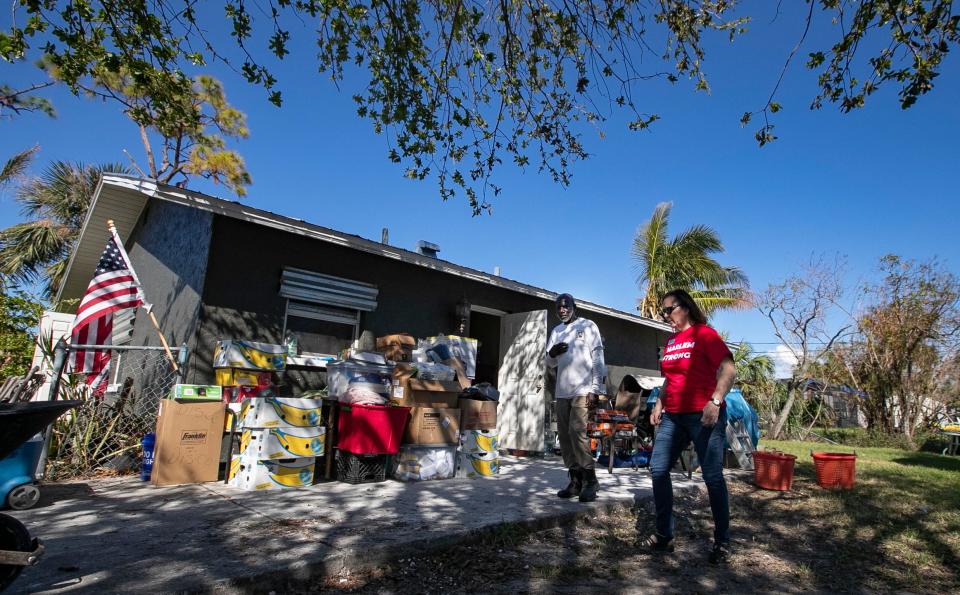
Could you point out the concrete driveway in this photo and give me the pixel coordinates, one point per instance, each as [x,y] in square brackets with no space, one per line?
[123,535]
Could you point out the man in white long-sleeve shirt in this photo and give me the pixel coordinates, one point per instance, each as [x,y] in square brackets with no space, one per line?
[575,349]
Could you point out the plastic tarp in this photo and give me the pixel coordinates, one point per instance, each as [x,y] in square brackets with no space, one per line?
[739,409]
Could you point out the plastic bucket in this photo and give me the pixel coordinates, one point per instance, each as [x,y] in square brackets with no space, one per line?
[835,469]
[146,467]
[371,429]
[773,470]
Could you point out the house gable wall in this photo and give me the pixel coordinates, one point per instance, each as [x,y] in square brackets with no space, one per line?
[169,250]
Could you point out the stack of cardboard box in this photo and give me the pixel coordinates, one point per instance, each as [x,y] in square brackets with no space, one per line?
[479,454]
[281,440]
[246,368]
[433,432]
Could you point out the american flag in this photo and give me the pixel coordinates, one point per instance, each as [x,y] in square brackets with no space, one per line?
[114,287]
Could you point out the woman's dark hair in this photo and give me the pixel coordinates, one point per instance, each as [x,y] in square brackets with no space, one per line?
[686,302]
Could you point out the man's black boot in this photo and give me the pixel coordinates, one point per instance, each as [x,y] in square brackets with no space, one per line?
[573,488]
[588,493]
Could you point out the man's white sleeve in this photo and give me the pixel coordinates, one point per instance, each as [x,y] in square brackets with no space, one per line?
[597,386]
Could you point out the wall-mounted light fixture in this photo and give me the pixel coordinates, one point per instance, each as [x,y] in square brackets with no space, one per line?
[462,314]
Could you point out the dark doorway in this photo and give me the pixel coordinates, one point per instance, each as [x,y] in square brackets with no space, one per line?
[485,328]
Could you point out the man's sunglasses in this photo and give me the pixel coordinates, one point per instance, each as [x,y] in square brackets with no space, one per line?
[668,309]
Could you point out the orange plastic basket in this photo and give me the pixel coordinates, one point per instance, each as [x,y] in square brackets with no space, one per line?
[773,470]
[835,469]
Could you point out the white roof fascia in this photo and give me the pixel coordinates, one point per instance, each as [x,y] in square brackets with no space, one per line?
[236,210]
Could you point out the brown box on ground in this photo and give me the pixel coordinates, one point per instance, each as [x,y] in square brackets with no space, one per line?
[188,442]
[429,425]
[398,347]
[410,392]
[478,415]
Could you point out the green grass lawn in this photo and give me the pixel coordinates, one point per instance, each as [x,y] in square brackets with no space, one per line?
[900,525]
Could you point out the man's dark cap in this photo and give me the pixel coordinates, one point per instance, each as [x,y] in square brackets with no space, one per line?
[569,298]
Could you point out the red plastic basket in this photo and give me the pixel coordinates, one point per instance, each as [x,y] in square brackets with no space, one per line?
[773,470]
[371,429]
[835,469]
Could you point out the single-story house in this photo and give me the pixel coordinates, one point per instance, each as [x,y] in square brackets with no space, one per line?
[217,269]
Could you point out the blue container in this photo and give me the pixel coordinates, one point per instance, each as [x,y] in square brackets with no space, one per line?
[19,467]
[148,442]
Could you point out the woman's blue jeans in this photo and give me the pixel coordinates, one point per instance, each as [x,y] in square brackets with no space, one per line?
[675,432]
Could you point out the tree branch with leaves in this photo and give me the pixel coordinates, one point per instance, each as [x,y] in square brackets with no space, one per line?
[463,87]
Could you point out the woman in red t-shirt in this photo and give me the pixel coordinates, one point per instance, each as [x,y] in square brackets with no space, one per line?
[699,372]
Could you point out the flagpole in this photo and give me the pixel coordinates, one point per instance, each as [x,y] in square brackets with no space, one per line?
[143,298]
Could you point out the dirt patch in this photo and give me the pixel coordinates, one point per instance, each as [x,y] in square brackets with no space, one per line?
[797,541]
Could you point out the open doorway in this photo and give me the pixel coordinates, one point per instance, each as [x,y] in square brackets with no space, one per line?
[485,328]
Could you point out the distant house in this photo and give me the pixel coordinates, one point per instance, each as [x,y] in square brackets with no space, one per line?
[217,269]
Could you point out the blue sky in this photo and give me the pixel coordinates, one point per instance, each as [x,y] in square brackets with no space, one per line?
[863,184]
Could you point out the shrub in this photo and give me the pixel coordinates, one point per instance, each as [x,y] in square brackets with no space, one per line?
[866,438]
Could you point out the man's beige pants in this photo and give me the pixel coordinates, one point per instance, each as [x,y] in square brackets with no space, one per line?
[572,429]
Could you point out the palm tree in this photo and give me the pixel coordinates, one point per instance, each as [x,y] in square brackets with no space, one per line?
[754,373]
[55,205]
[685,262]
[17,165]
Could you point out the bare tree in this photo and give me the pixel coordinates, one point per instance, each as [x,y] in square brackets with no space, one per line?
[799,309]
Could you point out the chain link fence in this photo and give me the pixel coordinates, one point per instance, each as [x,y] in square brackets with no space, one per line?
[102,435]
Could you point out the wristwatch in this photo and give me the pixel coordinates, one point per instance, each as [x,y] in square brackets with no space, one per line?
[717,402]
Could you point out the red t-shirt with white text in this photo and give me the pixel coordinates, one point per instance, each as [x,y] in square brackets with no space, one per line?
[690,362]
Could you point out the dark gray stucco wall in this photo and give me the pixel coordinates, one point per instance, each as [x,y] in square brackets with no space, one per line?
[169,251]
[241,295]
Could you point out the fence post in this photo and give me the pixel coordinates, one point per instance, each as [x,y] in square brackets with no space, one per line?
[59,360]
[182,357]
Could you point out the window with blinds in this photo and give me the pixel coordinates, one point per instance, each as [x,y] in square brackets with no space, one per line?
[323,311]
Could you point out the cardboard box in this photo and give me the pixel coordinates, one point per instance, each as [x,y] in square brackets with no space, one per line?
[270,475]
[196,392]
[478,415]
[480,444]
[430,393]
[248,355]
[238,394]
[188,442]
[398,348]
[423,463]
[281,412]
[462,377]
[238,377]
[411,392]
[282,443]
[470,466]
[433,426]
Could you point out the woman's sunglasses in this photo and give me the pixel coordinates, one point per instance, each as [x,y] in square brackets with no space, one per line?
[667,310]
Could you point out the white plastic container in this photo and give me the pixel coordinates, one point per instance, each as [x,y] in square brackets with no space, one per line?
[422,463]
[342,375]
